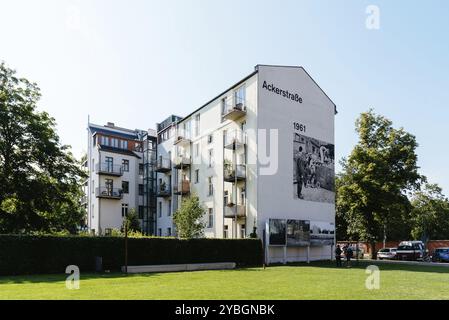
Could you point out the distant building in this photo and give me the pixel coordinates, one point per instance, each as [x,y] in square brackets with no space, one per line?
[121,177]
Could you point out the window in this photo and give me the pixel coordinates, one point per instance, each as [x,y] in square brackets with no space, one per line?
[125,187]
[141,212]
[114,142]
[160,209]
[243,231]
[169,208]
[196,149]
[197,125]
[104,141]
[226,198]
[93,212]
[125,165]
[225,137]
[140,189]
[159,232]
[211,186]
[210,218]
[197,176]
[240,97]
[93,186]
[109,161]
[168,232]
[211,158]
[224,106]
[210,138]
[225,232]
[124,144]
[124,209]
[109,184]
[141,171]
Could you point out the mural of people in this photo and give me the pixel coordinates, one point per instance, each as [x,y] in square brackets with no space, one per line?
[313,169]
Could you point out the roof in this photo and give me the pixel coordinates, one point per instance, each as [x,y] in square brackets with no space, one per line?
[125,133]
[300,67]
[249,76]
[125,152]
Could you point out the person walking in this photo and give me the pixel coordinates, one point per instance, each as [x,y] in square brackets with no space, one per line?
[338,253]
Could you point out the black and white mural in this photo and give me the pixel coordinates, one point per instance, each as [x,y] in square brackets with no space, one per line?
[277,229]
[298,233]
[313,169]
[322,233]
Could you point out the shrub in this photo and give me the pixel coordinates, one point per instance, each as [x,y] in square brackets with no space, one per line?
[22,254]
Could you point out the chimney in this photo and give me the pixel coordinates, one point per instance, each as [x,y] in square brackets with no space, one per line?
[110,124]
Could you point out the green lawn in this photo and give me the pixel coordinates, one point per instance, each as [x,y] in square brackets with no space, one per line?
[315,281]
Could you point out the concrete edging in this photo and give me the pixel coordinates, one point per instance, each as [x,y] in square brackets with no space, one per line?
[181,267]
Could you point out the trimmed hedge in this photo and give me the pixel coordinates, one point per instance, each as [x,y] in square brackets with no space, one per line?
[48,254]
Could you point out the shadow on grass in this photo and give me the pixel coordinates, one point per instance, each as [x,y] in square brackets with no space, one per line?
[53,278]
[361,265]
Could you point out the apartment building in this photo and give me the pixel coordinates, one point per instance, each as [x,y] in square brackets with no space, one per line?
[121,177]
[262,149]
[258,155]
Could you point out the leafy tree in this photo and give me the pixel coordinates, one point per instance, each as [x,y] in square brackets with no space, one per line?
[40,180]
[381,169]
[132,222]
[189,220]
[430,214]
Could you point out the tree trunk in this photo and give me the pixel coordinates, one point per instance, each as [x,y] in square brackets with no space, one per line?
[373,250]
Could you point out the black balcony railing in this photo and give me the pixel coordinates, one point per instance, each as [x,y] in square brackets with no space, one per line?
[163,191]
[163,165]
[235,211]
[182,189]
[109,193]
[234,173]
[109,169]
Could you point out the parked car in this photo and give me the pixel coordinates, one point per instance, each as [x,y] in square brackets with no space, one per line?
[411,251]
[441,255]
[387,253]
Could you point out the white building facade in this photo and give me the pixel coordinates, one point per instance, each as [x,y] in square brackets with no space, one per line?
[261,150]
[118,176]
[245,153]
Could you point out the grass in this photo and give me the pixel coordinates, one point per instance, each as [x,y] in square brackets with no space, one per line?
[315,281]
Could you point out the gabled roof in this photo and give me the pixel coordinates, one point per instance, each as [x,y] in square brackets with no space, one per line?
[305,71]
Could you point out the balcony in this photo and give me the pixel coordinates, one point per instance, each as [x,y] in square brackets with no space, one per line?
[234,173]
[182,189]
[182,137]
[109,193]
[109,169]
[235,211]
[182,162]
[234,140]
[163,191]
[235,111]
[163,165]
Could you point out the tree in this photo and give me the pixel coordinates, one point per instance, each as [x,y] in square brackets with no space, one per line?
[430,214]
[373,186]
[40,180]
[132,222]
[189,220]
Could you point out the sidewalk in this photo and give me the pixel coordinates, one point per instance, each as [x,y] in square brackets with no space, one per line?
[413,263]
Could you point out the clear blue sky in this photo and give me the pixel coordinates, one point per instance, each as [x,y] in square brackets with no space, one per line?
[135,62]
